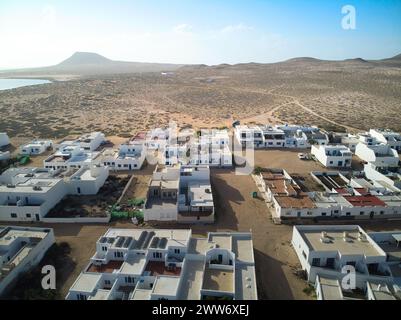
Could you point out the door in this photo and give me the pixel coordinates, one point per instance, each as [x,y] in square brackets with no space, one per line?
[37,217]
[130,167]
[340,163]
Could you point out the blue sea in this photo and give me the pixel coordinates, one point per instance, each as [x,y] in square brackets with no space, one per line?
[6,84]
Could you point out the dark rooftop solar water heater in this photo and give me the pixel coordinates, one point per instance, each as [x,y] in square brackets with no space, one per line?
[163,243]
[155,243]
[140,240]
[149,237]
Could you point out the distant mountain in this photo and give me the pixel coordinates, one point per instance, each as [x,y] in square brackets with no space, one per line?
[304,59]
[85,58]
[90,64]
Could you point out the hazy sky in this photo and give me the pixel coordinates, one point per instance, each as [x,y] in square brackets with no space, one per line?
[45,32]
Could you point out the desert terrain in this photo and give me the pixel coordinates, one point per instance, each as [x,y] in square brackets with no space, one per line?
[350,95]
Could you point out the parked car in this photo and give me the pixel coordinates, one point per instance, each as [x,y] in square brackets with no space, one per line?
[302,156]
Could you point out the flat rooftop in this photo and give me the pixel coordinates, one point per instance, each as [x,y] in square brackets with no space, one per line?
[166,286]
[243,249]
[302,201]
[351,247]
[192,280]
[222,241]
[365,201]
[330,289]
[218,280]
[10,234]
[245,283]
[86,282]
[134,265]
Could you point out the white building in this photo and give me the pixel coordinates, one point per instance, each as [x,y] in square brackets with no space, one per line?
[391,138]
[249,136]
[340,200]
[28,194]
[212,149]
[36,147]
[315,136]
[380,155]
[4,139]
[324,251]
[349,140]
[91,141]
[333,156]
[130,156]
[133,264]
[180,193]
[70,157]
[273,137]
[281,136]
[21,249]
[389,177]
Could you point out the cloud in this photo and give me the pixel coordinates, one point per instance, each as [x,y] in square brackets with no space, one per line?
[183,29]
[236,28]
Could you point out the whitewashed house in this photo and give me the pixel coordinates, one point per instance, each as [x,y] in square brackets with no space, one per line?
[130,156]
[36,147]
[333,156]
[21,250]
[315,136]
[180,193]
[391,138]
[273,137]
[91,141]
[133,264]
[380,155]
[70,157]
[28,194]
[324,251]
[250,136]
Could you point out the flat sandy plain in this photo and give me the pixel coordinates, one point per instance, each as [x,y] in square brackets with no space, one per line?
[349,95]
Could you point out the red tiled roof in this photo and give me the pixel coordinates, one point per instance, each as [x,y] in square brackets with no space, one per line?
[342,191]
[365,201]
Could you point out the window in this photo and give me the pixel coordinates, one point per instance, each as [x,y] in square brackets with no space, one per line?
[157,255]
[28,215]
[177,251]
[348,214]
[107,282]
[361,213]
[104,248]
[304,254]
[381,212]
[13,215]
[316,262]
[81,296]
[324,214]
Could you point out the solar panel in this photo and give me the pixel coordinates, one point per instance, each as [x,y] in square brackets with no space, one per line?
[163,243]
[127,242]
[120,241]
[149,236]
[155,242]
[140,240]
